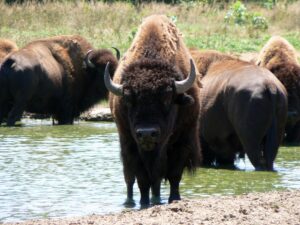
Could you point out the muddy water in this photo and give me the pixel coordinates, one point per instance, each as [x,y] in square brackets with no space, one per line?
[55,171]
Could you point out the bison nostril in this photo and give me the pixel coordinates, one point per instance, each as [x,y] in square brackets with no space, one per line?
[149,132]
[155,133]
[139,133]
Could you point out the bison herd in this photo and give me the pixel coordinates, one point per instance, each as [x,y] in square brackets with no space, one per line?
[174,107]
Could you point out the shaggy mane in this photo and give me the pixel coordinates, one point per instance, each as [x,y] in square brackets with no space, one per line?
[149,74]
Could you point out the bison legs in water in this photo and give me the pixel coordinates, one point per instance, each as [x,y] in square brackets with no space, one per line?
[134,168]
[262,142]
[16,112]
[20,100]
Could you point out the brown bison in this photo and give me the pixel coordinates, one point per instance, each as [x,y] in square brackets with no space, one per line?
[155,103]
[53,76]
[6,47]
[280,57]
[243,110]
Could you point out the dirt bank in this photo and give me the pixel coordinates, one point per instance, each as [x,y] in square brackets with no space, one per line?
[252,209]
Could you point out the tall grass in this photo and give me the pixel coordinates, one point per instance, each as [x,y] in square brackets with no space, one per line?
[106,25]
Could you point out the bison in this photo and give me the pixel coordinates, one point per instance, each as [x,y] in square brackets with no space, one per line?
[6,47]
[61,76]
[154,100]
[243,110]
[280,57]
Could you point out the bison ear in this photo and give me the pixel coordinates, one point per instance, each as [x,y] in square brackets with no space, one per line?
[184,100]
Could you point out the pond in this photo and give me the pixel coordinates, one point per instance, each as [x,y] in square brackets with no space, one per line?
[56,171]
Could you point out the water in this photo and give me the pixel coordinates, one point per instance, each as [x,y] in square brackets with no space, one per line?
[55,171]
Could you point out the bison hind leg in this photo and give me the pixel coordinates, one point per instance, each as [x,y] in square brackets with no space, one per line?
[16,112]
[255,155]
[208,155]
[226,162]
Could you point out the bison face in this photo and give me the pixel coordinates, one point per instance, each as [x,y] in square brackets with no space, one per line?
[152,115]
[151,95]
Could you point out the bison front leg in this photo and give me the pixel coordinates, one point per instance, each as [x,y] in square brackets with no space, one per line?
[174,185]
[129,160]
[129,180]
[155,189]
[184,153]
[176,165]
[144,186]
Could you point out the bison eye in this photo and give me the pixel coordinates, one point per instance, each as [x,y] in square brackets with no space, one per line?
[167,101]
[128,98]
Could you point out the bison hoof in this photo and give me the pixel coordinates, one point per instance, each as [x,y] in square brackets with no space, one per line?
[173,199]
[156,200]
[144,203]
[129,203]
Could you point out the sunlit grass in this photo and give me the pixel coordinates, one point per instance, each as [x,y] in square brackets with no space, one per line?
[106,25]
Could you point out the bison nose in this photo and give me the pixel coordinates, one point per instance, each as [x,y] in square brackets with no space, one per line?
[149,133]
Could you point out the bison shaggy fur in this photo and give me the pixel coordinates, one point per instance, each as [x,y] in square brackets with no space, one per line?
[280,57]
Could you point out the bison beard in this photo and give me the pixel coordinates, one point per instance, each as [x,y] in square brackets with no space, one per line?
[154,100]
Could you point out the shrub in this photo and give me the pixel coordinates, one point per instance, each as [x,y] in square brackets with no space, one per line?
[238,14]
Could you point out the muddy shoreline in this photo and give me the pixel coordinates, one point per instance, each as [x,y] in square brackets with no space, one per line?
[277,207]
[96,113]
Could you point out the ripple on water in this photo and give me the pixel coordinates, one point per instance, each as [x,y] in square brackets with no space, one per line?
[52,171]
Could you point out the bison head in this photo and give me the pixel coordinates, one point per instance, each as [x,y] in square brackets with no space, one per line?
[151,91]
[97,59]
[289,75]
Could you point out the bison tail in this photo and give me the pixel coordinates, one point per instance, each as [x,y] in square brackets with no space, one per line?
[271,143]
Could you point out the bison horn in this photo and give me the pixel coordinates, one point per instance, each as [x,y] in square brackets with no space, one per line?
[183,85]
[88,61]
[116,89]
[117,52]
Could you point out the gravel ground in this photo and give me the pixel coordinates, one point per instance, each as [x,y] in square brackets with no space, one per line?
[280,208]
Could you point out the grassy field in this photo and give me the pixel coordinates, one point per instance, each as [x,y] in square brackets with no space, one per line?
[105,25]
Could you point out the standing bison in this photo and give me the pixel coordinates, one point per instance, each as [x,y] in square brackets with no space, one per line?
[155,103]
[243,110]
[53,76]
[280,57]
[6,47]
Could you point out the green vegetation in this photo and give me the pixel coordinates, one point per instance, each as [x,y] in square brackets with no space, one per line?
[229,27]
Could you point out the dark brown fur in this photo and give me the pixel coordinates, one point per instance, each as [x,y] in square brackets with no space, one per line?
[280,57]
[155,59]
[49,76]
[243,110]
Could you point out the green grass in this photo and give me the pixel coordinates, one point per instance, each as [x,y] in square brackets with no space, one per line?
[106,25]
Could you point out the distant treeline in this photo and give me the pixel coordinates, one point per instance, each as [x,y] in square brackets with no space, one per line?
[210,2]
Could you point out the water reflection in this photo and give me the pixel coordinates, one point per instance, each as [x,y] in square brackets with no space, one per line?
[52,171]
